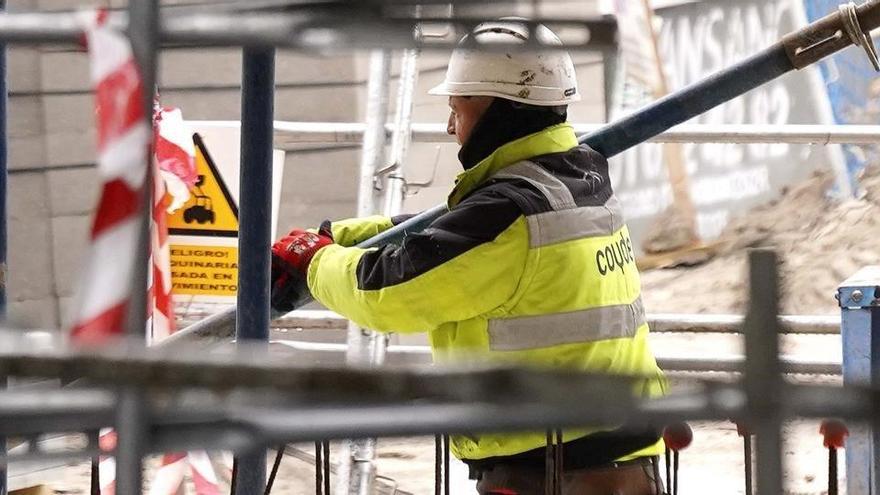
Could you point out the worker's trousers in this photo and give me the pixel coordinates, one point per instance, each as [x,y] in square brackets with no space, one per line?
[628,479]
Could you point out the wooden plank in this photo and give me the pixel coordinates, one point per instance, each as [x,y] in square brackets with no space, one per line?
[687,256]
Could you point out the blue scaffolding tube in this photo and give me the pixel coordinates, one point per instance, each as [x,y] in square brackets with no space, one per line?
[255,227]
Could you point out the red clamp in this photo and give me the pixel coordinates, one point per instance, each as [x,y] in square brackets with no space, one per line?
[678,436]
[835,433]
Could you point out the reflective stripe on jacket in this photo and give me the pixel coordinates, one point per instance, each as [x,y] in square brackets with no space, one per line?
[532,264]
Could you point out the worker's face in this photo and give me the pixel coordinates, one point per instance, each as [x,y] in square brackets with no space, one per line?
[465,112]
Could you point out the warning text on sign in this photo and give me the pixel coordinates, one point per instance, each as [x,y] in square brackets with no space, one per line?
[204,270]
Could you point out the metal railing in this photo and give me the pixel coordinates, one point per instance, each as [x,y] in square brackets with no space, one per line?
[659,322]
[291,133]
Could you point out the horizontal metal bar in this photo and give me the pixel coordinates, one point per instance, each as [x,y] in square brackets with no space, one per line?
[251,419]
[759,133]
[334,353]
[735,364]
[290,133]
[698,323]
[65,410]
[659,322]
[255,367]
[707,401]
[331,27]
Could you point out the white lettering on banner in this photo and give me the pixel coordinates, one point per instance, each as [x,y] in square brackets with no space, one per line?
[639,165]
[695,46]
[731,186]
[695,40]
[643,203]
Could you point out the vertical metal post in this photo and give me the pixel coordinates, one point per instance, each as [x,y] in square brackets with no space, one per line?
[255,221]
[131,424]
[3,176]
[365,347]
[373,150]
[3,180]
[612,76]
[859,297]
[763,373]
[395,183]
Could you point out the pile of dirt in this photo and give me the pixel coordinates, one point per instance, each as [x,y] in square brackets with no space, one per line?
[820,240]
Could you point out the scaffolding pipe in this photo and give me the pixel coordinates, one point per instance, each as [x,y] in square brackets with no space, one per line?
[3,186]
[698,323]
[357,468]
[131,421]
[373,144]
[762,380]
[4,176]
[255,174]
[658,322]
[420,354]
[220,425]
[401,133]
[293,133]
[366,347]
[258,371]
[255,231]
[795,51]
[354,25]
[308,404]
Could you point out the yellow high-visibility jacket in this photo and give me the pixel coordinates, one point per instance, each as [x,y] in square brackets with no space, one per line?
[532,264]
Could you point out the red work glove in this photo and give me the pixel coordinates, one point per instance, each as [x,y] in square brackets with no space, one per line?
[295,250]
[291,256]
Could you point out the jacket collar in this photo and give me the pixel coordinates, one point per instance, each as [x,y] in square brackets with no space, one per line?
[554,139]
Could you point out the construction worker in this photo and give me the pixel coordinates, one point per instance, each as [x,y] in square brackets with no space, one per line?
[532,264]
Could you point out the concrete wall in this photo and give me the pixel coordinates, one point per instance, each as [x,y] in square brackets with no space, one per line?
[53,183]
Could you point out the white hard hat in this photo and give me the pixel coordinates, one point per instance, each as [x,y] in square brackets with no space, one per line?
[543,78]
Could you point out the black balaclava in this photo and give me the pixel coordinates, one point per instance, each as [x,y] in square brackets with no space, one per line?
[505,121]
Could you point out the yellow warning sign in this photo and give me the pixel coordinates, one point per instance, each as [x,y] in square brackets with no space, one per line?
[210,210]
[204,270]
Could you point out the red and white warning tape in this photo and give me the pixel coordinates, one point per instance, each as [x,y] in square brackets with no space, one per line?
[106,289]
[174,173]
[123,143]
[175,158]
[161,318]
[107,465]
